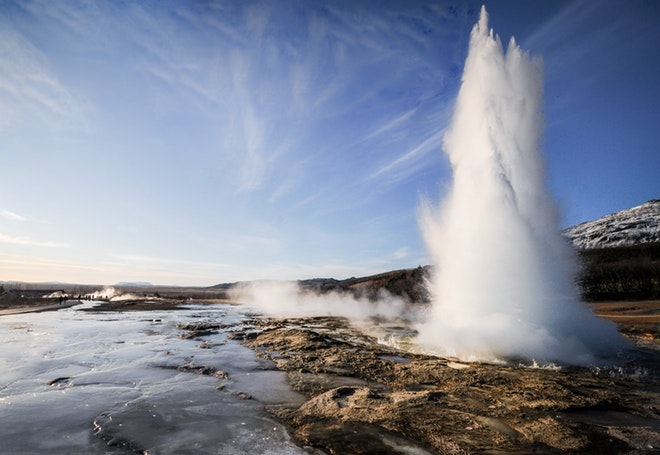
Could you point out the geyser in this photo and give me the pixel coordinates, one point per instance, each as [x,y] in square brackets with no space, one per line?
[503,285]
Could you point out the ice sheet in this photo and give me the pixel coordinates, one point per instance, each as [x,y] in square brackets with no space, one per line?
[85,382]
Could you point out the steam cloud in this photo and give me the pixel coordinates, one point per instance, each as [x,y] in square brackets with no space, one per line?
[287,299]
[113,295]
[504,280]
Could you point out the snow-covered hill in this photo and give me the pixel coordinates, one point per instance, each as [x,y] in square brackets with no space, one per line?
[633,226]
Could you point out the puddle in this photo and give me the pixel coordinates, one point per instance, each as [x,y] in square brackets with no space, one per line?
[612,419]
[394,358]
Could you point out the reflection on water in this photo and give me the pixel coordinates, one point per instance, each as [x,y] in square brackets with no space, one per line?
[85,382]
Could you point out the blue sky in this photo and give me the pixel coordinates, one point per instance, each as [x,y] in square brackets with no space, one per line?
[194,143]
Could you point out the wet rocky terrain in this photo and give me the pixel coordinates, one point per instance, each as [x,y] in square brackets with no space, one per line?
[365,397]
[333,387]
[362,396]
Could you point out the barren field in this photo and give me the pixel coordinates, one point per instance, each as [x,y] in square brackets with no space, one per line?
[638,319]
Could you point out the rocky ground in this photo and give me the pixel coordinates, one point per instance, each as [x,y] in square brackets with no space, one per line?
[365,397]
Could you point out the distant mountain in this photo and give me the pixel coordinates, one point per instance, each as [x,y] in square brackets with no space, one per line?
[136,284]
[628,227]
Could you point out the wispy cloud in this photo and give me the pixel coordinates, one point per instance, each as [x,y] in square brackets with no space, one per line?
[29,89]
[567,20]
[165,261]
[30,268]
[251,125]
[404,165]
[31,263]
[393,124]
[84,18]
[154,268]
[12,216]
[257,242]
[30,242]
[401,253]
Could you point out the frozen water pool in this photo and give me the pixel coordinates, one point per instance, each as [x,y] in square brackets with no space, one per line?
[109,383]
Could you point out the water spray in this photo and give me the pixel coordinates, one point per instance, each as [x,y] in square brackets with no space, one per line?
[504,281]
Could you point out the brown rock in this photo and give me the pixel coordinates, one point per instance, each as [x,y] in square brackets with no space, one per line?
[365,397]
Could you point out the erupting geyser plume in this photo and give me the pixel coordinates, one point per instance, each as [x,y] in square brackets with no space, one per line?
[504,281]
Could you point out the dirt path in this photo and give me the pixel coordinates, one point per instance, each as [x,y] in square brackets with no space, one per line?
[39,308]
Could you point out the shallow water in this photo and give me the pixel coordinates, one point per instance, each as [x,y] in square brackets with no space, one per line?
[640,361]
[109,383]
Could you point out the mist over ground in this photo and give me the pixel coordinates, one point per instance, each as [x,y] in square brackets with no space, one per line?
[288,299]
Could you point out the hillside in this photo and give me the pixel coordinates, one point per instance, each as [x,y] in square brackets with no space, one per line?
[620,254]
[621,272]
[407,283]
[628,227]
